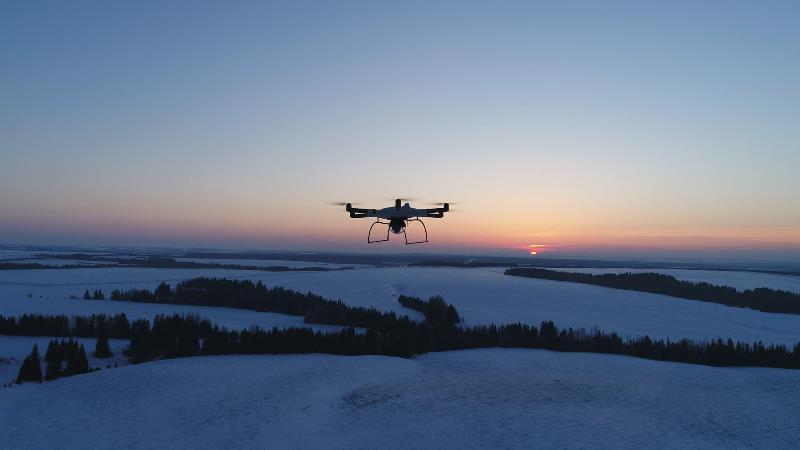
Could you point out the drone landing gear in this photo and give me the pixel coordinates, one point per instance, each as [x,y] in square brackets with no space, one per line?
[369,235]
[405,235]
[423,229]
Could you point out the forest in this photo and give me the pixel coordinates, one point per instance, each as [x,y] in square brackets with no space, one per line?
[761,299]
[177,335]
[244,294]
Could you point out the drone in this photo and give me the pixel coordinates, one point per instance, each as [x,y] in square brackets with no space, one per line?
[396,218]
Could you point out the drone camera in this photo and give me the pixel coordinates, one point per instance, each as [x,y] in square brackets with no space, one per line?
[397,225]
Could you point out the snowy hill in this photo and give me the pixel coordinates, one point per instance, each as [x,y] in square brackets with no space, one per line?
[492,398]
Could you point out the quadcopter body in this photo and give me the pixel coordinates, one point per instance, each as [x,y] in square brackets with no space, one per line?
[396,218]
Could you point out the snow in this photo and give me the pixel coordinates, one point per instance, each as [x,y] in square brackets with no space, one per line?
[735,279]
[266,262]
[49,291]
[489,398]
[481,296]
[485,296]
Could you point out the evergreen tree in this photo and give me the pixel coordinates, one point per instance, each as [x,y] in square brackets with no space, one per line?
[101,349]
[98,295]
[82,360]
[53,357]
[163,292]
[31,369]
[86,295]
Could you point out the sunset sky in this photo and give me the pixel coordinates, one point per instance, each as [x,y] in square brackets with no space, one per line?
[582,128]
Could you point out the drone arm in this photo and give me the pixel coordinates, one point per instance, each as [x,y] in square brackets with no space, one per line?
[434,213]
[357,213]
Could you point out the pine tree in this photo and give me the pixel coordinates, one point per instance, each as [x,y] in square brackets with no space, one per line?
[82,361]
[53,357]
[86,295]
[36,369]
[31,369]
[101,349]
[98,295]
[163,292]
[70,355]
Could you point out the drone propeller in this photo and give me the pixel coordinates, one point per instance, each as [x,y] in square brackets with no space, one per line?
[404,199]
[341,203]
[443,203]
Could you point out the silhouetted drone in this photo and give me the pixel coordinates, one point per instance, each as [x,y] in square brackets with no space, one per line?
[396,218]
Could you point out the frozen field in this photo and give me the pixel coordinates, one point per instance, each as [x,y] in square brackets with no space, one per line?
[266,262]
[480,295]
[62,283]
[50,291]
[491,398]
[487,296]
[738,280]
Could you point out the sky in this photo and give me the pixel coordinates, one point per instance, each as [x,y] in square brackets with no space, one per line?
[579,128]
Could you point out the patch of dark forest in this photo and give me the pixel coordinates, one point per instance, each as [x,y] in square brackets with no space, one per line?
[761,299]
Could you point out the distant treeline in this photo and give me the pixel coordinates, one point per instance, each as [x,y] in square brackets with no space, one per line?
[762,299]
[176,336]
[173,336]
[152,262]
[28,266]
[96,325]
[244,294]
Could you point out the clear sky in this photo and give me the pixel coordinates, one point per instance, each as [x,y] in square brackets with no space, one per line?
[587,127]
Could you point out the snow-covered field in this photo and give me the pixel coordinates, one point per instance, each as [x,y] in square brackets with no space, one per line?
[738,280]
[267,263]
[480,295]
[62,283]
[487,296]
[490,398]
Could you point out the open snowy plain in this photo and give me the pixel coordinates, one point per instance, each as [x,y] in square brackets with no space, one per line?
[493,398]
[470,399]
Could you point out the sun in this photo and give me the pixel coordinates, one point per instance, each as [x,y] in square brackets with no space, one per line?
[536,248]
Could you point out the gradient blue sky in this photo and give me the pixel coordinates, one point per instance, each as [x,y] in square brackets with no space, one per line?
[589,127]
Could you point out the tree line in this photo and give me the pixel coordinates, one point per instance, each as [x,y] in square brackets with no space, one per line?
[155,262]
[177,335]
[761,299]
[244,294]
[173,336]
[96,325]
